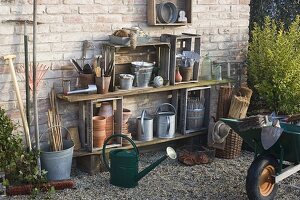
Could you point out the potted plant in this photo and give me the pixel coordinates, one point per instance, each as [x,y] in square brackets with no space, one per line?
[274,65]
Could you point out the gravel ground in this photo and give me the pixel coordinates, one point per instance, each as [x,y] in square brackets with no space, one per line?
[222,179]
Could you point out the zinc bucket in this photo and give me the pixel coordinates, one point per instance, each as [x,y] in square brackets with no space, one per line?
[57,163]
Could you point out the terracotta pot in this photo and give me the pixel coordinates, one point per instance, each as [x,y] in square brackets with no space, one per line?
[99,123]
[178,77]
[126,115]
[102,84]
[186,73]
[106,109]
[98,141]
[99,133]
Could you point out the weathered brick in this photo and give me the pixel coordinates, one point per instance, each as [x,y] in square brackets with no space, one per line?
[85,9]
[45,2]
[246,2]
[200,8]
[231,2]
[6,29]
[78,2]
[210,2]
[111,18]
[228,45]
[96,27]
[220,38]
[120,9]
[4,10]
[61,28]
[78,18]
[62,9]
[73,37]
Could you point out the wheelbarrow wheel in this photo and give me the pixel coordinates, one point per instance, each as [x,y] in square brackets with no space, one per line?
[260,184]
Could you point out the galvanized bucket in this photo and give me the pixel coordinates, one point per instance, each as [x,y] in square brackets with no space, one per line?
[145,127]
[126,81]
[142,72]
[57,163]
[165,122]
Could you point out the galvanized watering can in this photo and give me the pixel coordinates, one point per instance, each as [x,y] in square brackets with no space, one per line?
[165,122]
[124,164]
[145,127]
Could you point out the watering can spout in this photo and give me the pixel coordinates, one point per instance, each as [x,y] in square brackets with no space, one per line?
[170,153]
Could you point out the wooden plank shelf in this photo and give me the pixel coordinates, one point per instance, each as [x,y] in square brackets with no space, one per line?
[178,136]
[88,97]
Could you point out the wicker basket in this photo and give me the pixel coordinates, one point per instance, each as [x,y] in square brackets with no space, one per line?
[232,148]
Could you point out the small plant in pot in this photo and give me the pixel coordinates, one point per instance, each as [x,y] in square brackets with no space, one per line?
[20,167]
[274,57]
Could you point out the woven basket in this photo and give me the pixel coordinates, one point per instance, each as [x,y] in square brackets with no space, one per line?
[232,148]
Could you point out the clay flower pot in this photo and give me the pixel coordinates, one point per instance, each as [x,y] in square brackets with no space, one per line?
[186,73]
[102,84]
[99,123]
[98,138]
[126,115]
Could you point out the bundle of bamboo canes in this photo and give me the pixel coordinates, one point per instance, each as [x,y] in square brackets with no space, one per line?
[54,123]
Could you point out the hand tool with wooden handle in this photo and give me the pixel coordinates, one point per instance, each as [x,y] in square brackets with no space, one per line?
[20,102]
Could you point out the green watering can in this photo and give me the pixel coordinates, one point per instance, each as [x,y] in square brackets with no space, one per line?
[124,164]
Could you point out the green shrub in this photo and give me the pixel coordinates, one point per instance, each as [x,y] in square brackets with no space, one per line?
[19,165]
[274,65]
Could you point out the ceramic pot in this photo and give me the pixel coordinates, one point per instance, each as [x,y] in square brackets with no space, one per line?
[186,73]
[178,77]
[98,141]
[126,115]
[106,109]
[99,123]
[102,84]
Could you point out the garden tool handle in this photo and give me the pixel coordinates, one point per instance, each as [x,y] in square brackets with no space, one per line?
[113,136]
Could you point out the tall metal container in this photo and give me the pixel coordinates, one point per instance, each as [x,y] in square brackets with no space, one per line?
[142,72]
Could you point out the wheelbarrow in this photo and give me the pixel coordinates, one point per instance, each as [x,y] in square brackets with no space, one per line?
[268,167]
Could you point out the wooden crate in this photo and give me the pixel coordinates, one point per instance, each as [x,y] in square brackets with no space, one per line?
[203,92]
[154,51]
[87,111]
[180,43]
[185,5]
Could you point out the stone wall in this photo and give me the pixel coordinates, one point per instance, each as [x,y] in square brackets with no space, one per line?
[223,25]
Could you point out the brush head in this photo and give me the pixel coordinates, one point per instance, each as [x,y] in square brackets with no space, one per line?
[171,153]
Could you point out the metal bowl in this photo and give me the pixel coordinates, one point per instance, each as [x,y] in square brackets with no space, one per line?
[167,12]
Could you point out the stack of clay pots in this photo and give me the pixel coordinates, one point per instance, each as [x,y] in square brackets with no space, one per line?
[126,115]
[106,110]
[99,134]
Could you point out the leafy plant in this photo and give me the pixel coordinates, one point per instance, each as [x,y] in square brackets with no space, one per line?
[274,65]
[19,165]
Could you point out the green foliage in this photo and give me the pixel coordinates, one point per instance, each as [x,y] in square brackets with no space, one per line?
[19,165]
[274,65]
[279,10]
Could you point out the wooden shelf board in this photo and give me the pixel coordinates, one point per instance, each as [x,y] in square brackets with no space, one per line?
[152,41]
[88,97]
[178,136]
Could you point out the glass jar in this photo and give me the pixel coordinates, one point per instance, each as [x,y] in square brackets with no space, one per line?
[205,73]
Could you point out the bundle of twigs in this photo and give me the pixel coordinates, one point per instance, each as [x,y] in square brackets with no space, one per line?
[54,123]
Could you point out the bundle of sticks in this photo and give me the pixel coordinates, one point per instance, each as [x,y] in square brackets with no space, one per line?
[253,122]
[54,123]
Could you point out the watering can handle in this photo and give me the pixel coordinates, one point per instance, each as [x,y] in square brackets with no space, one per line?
[169,125]
[113,136]
[167,104]
[55,126]
[142,121]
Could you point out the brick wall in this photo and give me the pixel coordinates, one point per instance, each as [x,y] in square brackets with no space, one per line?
[223,25]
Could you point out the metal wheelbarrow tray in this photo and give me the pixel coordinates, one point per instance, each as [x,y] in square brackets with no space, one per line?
[268,169]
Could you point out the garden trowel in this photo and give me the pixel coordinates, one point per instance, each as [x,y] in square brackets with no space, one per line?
[91,88]
[270,135]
